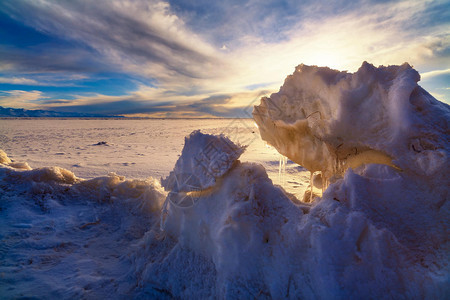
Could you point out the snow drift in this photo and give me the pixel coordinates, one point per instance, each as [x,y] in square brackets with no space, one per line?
[67,237]
[377,232]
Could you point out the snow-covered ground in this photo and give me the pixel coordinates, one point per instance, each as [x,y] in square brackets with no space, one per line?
[101,223]
[134,148]
[61,239]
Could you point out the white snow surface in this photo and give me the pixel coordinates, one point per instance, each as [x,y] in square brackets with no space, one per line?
[379,231]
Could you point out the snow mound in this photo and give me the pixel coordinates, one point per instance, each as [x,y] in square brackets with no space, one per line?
[148,193]
[329,121]
[5,160]
[66,237]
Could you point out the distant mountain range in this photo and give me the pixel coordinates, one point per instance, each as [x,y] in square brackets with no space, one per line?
[6,112]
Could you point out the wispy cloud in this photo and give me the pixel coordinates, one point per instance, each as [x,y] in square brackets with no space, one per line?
[44,79]
[431,74]
[144,102]
[20,99]
[18,80]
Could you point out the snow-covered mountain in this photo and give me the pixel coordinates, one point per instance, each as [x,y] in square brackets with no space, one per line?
[6,112]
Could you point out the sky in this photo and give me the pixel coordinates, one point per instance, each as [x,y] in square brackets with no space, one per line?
[203,58]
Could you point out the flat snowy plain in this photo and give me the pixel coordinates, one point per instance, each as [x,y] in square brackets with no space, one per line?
[134,148]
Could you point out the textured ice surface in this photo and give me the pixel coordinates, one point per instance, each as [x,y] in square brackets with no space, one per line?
[204,159]
[328,121]
[65,237]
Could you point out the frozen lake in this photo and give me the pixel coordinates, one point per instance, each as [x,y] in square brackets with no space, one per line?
[134,148]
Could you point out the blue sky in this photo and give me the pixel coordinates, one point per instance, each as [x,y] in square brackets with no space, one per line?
[203,58]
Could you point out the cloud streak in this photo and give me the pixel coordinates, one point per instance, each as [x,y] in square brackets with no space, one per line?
[144,102]
[432,74]
[21,99]
[18,80]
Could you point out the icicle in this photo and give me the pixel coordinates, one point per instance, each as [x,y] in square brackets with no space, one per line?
[279,168]
[282,170]
[311,186]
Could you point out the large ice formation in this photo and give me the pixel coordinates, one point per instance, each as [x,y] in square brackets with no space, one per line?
[328,121]
[381,228]
[378,232]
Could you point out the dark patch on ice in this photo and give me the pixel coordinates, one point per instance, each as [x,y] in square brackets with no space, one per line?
[101,143]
